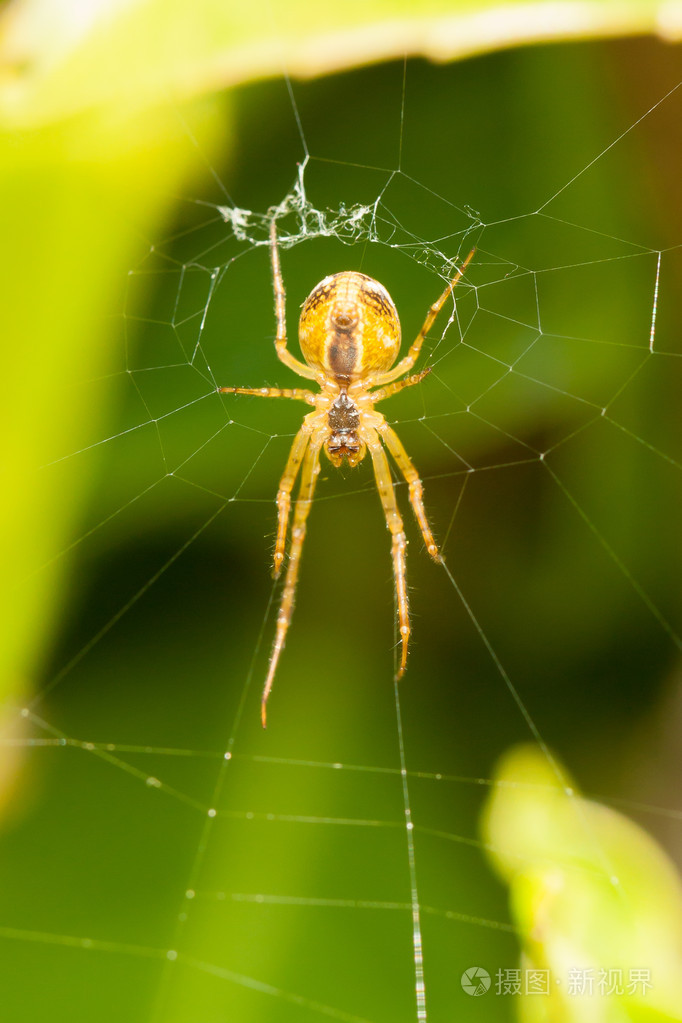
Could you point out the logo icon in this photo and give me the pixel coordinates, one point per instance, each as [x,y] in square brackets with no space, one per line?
[475,981]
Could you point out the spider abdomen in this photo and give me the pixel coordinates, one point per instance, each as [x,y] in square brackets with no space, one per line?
[349,327]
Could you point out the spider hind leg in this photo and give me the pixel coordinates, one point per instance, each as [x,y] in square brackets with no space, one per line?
[394,522]
[416,487]
[309,473]
[286,485]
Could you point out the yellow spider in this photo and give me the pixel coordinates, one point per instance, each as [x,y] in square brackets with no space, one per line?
[349,334]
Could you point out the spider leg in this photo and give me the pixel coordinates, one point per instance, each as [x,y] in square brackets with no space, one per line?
[404,463]
[394,522]
[272,392]
[415,348]
[286,485]
[399,385]
[311,468]
[283,353]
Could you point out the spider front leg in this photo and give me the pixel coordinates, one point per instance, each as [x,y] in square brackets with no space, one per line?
[394,522]
[311,468]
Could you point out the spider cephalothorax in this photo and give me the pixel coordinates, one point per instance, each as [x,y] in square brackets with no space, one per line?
[343,442]
[349,334]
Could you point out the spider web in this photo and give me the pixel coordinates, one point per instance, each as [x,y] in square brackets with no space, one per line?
[333,867]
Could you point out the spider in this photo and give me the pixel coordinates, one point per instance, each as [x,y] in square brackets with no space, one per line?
[349,333]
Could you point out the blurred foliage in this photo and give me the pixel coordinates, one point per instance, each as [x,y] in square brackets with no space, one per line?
[79,197]
[169,519]
[62,58]
[591,893]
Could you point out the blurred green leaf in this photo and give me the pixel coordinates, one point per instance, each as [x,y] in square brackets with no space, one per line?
[62,58]
[78,199]
[591,892]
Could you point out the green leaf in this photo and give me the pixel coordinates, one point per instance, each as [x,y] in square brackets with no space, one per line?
[590,892]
